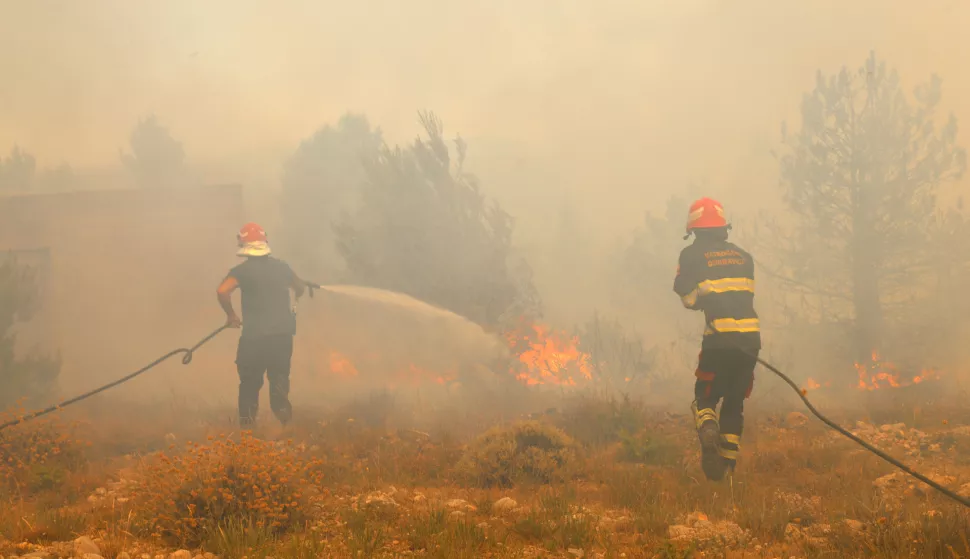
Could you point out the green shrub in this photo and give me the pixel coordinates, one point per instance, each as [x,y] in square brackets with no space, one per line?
[596,421]
[527,451]
[24,378]
[643,447]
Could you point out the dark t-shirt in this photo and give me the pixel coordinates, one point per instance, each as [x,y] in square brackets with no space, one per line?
[266,308]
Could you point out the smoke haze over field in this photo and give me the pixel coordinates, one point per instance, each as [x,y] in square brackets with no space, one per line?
[592,111]
[610,104]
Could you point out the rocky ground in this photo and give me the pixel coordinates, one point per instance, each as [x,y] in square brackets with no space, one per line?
[800,491]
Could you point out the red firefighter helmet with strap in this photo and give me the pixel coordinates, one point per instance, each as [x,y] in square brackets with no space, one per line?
[706,214]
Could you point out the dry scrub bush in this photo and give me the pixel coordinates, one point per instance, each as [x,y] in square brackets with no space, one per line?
[528,451]
[38,455]
[594,420]
[186,498]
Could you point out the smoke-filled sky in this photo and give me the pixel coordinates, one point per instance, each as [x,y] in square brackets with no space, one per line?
[609,104]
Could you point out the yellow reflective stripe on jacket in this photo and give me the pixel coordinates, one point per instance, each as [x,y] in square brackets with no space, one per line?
[723,285]
[724,325]
[731,439]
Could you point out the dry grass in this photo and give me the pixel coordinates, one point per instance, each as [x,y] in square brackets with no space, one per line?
[38,456]
[185,497]
[600,478]
[524,452]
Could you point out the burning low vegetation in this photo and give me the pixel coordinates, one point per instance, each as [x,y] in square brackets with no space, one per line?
[539,355]
[545,356]
[879,373]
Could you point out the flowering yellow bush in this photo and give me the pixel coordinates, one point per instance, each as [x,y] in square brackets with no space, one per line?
[184,497]
[37,455]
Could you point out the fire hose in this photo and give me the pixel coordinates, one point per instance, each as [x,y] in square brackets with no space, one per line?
[186,359]
[801,394]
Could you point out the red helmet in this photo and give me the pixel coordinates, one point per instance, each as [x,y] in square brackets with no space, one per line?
[252,241]
[706,214]
[251,233]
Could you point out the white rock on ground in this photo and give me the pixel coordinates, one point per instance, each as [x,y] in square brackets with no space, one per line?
[460,504]
[887,481]
[854,526]
[609,523]
[504,505]
[815,535]
[699,528]
[181,554]
[379,501]
[913,441]
[85,545]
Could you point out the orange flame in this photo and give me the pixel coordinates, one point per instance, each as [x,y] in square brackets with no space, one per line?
[883,374]
[543,356]
[340,365]
[547,357]
[812,384]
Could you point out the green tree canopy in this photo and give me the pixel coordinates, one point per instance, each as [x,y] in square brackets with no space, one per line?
[21,377]
[321,181]
[423,227]
[861,178]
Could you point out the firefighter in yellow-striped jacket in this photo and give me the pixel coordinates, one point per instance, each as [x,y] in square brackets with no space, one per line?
[717,277]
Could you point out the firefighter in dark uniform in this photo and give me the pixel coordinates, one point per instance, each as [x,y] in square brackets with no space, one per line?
[268,324]
[717,277]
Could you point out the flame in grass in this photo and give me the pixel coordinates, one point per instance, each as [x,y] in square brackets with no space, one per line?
[543,356]
[548,357]
[878,374]
[812,384]
[340,365]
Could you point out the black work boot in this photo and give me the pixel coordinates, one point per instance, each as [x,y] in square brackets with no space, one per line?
[709,434]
